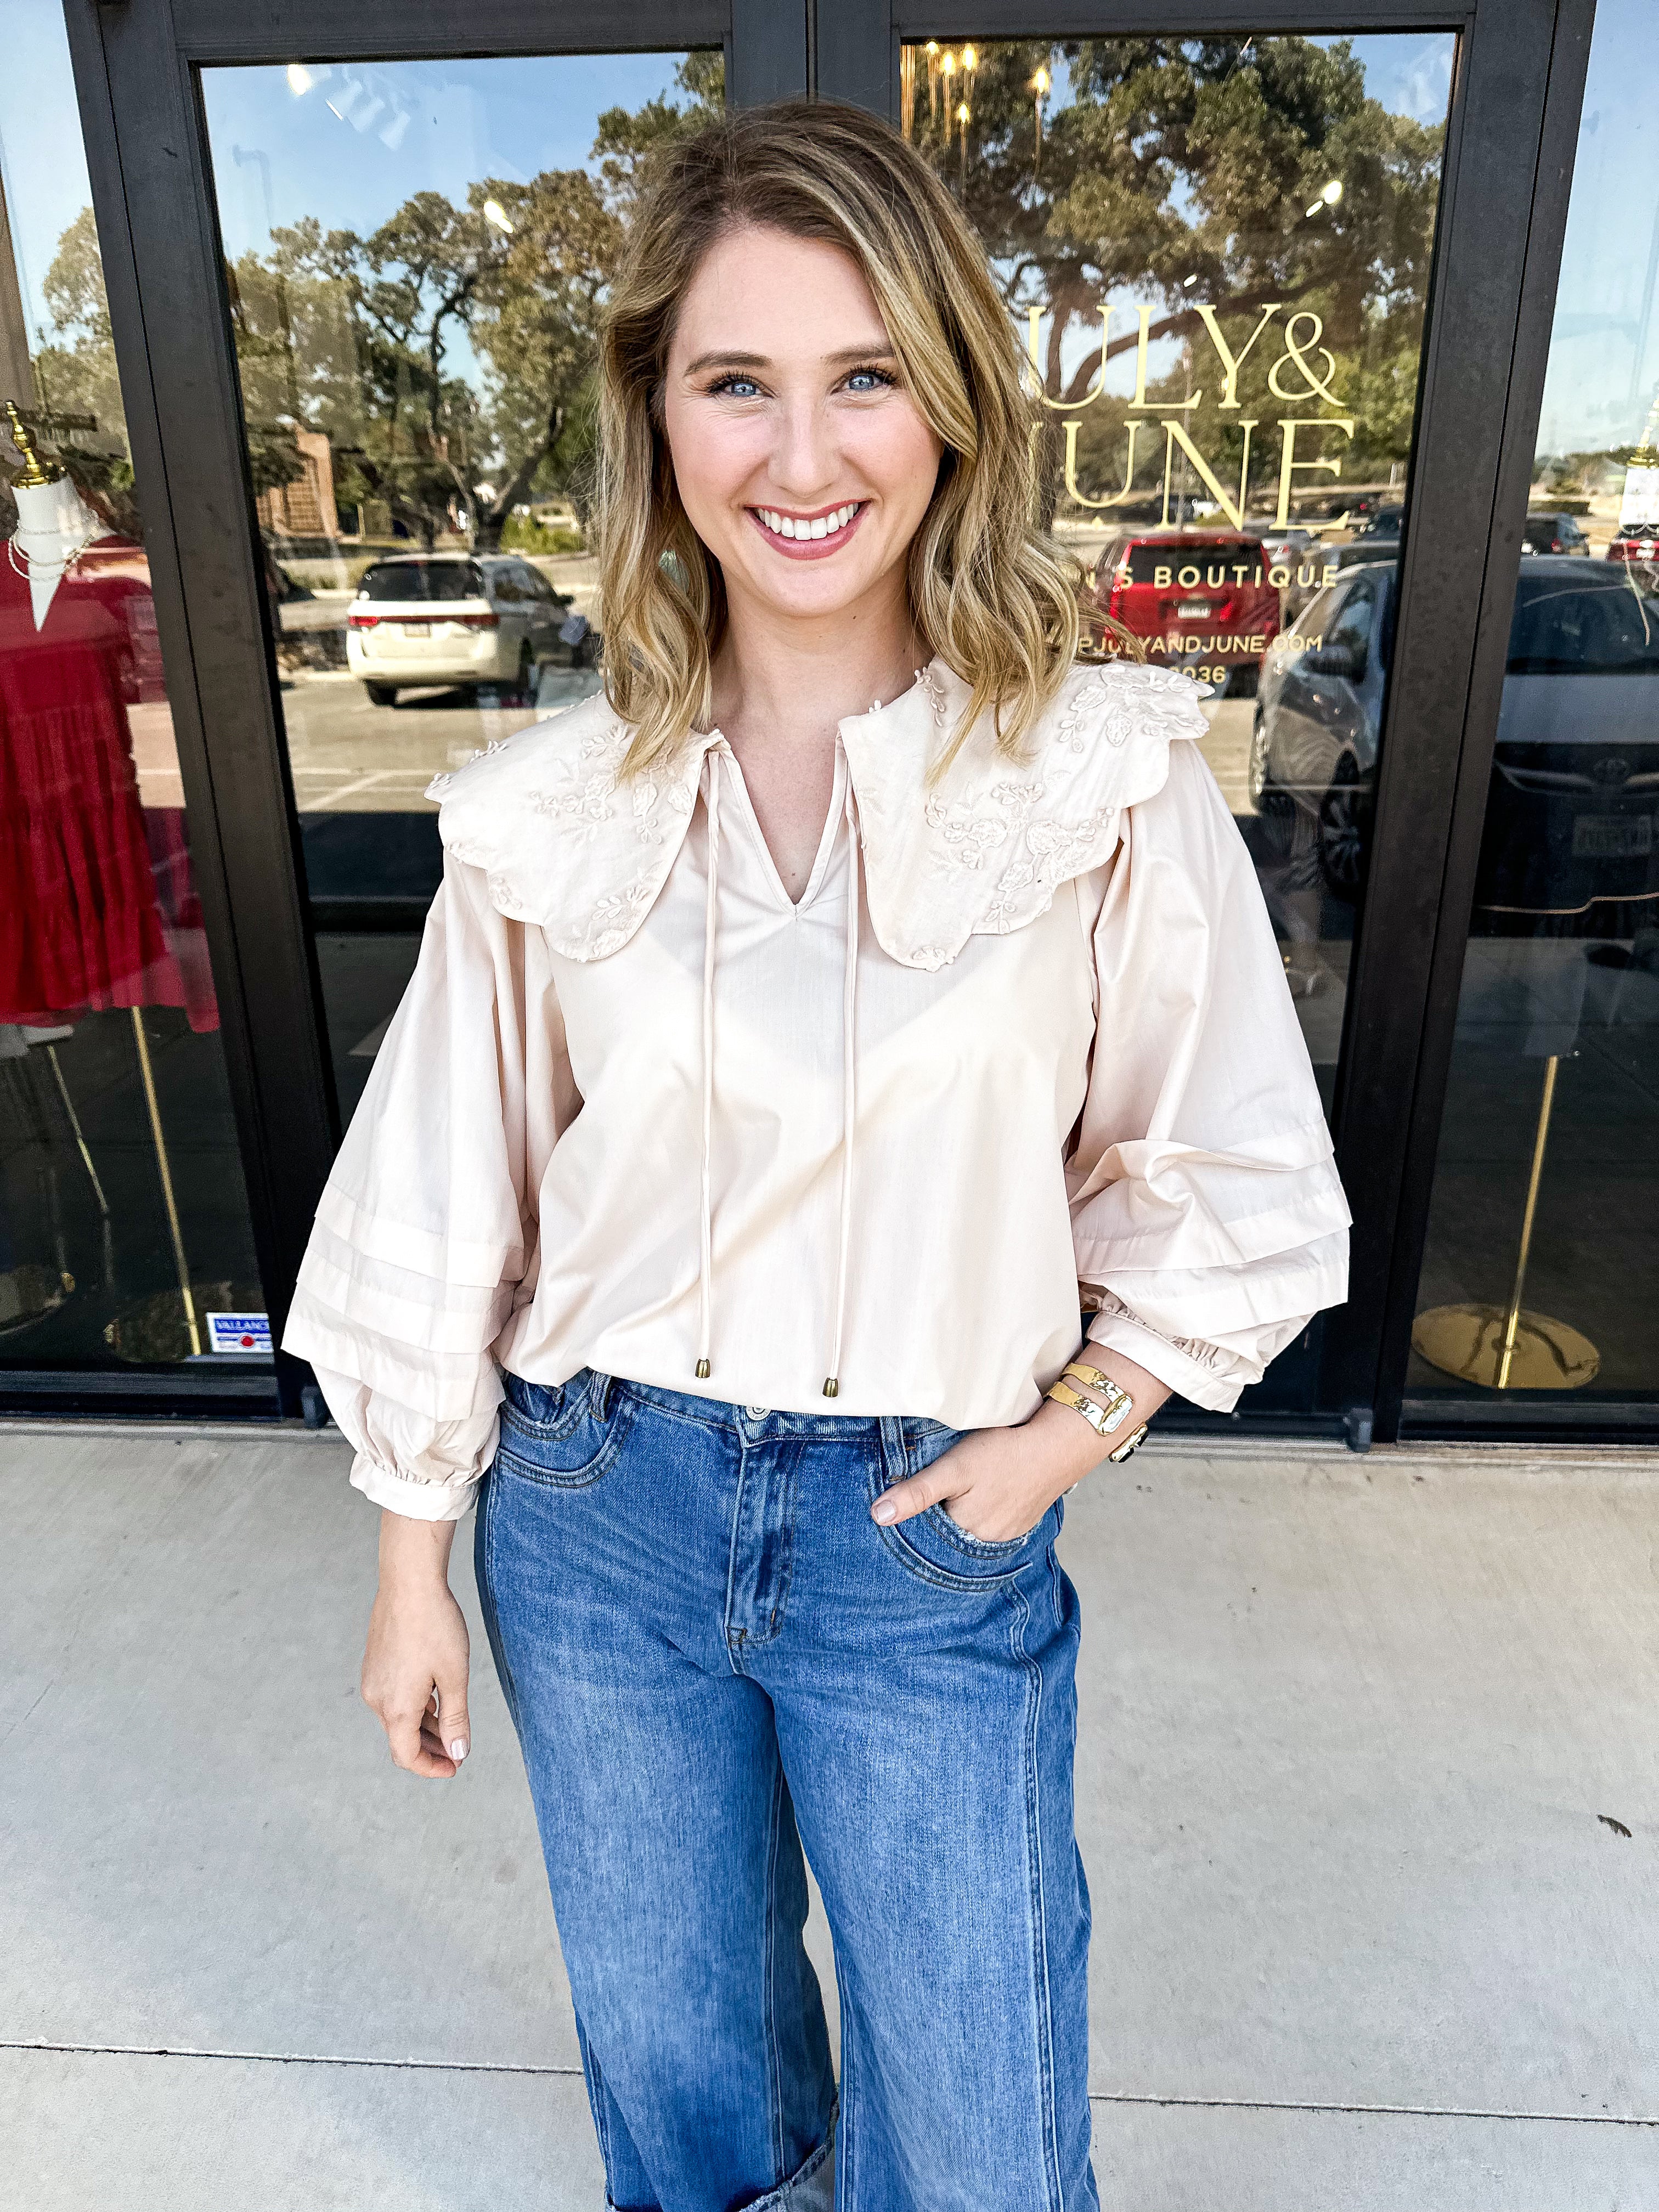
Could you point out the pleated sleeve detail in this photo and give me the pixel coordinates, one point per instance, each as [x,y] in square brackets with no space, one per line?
[426,1230]
[1208,1220]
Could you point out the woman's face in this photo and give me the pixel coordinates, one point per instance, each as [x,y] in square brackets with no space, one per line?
[804,465]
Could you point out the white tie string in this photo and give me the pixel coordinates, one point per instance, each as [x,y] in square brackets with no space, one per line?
[849,997]
[706,1255]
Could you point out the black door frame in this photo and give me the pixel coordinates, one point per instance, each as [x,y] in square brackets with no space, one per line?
[1502,216]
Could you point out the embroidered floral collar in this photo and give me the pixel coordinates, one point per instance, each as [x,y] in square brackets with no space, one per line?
[565,844]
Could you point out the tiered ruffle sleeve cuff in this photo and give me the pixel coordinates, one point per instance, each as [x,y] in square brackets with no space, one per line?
[426,1226]
[1208,1221]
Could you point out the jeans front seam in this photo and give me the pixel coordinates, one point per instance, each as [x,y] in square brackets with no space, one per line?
[773,2059]
[847,2130]
[1041,1993]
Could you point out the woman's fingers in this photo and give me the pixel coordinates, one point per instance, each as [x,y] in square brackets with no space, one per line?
[406,1726]
[916,1493]
[450,1726]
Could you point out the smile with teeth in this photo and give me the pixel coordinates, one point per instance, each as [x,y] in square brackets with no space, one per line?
[792,526]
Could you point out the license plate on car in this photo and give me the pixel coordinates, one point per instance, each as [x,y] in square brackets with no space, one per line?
[1613,837]
[417,629]
[1194,610]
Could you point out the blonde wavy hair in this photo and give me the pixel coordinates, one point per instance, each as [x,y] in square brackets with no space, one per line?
[988,594]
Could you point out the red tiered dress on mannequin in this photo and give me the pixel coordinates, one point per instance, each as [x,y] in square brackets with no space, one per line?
[97,908]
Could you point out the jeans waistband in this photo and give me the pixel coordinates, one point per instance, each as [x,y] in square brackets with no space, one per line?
[721,1413]
[749,1421]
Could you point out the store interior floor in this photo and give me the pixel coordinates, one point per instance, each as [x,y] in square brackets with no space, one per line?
[1369,1797]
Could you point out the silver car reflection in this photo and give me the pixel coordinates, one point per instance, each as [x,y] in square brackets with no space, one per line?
[1571,821]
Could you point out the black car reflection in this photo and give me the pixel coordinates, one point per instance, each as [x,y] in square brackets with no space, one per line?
[1574,786]
[1319,711]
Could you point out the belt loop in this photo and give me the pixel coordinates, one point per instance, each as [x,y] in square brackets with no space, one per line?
[602,1395]
[894,1453]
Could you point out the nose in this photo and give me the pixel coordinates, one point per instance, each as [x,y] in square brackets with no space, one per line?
[804,460]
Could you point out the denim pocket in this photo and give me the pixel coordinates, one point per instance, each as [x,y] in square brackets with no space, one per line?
[936,1548]
[562,1435]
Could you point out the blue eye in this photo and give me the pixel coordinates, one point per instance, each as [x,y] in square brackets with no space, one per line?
[737,387]
[868,380]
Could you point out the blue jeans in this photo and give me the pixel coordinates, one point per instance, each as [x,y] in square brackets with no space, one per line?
[714,1656]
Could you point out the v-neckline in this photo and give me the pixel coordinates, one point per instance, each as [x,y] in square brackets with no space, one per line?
[826,837]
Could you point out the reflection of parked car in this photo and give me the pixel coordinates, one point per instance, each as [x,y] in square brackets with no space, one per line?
[1202,595]
[1297,551]
[1319,709]
[1378,541]
[1554,533]
[458,618]
[1576,778]
[1574,788]
[1637,547]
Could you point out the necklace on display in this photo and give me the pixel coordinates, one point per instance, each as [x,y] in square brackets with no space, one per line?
[36,571]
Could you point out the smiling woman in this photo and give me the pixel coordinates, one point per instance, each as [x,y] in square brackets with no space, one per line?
[793,1059]
[913,359]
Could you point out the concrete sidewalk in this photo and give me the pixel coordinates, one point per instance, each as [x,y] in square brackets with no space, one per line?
[1356,1733]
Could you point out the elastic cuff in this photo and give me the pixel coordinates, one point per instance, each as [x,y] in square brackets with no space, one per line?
[1219,1393]
[415,1501]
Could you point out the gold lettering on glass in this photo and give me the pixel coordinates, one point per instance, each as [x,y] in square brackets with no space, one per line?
[1288,464]
[1176,432]
[1231,361]
[1112,499]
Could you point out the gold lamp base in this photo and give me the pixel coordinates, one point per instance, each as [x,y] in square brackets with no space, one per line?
[1467,1341]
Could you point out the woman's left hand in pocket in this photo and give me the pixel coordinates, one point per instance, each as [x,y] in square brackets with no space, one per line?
[997,1484]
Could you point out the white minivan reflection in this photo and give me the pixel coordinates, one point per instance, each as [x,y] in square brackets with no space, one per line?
[460,619]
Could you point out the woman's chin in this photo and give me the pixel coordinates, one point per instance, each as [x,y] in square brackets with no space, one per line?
[815,591]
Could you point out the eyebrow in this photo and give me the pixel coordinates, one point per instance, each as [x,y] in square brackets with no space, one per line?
[720,359]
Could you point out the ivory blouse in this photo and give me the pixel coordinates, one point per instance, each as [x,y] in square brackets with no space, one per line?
[1025,1044]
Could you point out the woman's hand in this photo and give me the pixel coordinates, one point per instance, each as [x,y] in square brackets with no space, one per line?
[997,1484]
[415,1663]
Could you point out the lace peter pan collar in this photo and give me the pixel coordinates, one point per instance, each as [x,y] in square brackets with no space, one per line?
[566,845]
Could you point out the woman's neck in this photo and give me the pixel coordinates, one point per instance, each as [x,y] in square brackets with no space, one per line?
[791,682]
[781,687]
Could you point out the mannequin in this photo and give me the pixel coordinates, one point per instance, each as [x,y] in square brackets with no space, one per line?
[82,924]
[54,523]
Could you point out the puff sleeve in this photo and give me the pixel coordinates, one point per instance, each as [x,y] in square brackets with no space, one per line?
[426,1229]
[1207,1218]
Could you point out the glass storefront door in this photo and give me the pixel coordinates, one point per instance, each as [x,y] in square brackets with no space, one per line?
[354,296]
[415,254]
[1217,254]
[124,1239]
[1540,1275]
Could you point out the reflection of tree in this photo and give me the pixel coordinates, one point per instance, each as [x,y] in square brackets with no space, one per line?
[1183,171]
[365,337]
[78,394]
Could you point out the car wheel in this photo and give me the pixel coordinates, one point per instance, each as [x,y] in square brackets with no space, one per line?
[528,681]
[1345,833]
[381,695]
